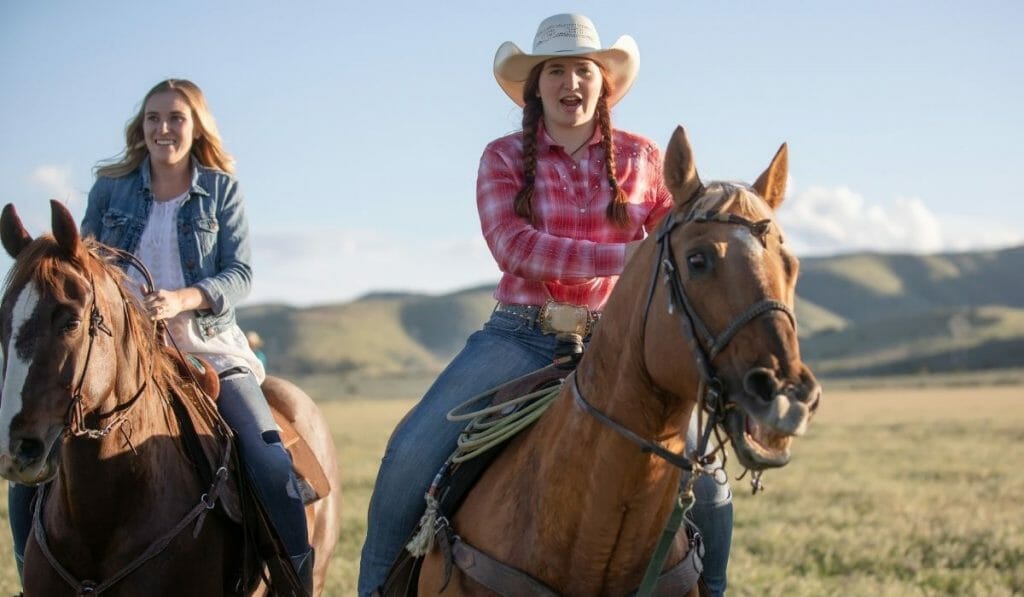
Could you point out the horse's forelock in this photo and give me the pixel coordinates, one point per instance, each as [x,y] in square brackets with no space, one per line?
[733,197]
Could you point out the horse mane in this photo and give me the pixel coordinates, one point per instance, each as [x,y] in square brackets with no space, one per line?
[45,263]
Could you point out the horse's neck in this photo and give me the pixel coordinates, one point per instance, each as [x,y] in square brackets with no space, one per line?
[613,380]
[590,485]
[589,503]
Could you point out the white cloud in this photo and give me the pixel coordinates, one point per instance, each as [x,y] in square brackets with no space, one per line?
[822,220]
[56,181]
[336,264]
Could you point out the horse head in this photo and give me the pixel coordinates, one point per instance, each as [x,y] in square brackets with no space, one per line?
[61,321]
[729,284]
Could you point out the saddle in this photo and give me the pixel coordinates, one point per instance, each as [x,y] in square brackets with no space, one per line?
[456,483]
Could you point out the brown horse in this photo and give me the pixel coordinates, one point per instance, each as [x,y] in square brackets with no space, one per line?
[95,410]
[703,311]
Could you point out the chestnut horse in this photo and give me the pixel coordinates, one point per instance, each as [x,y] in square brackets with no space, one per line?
[94,410]
[702,312]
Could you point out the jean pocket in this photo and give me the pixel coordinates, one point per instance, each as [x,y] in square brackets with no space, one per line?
[206,232]
[115,225]
[506,322]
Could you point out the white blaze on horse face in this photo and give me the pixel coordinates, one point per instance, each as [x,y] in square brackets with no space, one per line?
[17,369]
[752,243]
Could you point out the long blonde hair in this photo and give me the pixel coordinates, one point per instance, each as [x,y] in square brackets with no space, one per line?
[207,147]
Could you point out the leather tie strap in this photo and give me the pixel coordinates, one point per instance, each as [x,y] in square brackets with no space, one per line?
[506,580]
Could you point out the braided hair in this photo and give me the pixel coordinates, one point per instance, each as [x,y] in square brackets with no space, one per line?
[533,112]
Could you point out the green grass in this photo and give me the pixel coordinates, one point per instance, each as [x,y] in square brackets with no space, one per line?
[895,490]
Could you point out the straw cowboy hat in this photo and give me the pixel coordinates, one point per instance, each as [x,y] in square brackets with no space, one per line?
[567,35]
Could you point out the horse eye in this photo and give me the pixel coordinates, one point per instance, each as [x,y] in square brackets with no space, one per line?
[71,326]
[697,262]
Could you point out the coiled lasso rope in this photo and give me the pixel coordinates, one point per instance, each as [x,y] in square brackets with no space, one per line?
[485,431]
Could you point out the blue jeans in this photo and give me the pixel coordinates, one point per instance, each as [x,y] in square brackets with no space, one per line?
[712,513]
[245,408]
[507,347]
[19,513]
[266,461]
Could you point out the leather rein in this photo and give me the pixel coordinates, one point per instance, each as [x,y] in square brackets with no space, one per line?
[75,421]
[76,427]
[500,577]
[704,346]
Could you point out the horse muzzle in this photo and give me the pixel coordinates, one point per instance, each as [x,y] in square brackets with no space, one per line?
[31,461]
[768,414]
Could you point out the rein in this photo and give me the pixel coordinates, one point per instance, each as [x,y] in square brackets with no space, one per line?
[76,427]
[502,578]
[207,502]
[75,424]
[704,349]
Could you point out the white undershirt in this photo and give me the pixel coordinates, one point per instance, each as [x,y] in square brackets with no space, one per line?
[159,250]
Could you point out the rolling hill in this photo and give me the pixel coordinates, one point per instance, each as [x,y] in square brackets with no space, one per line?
[860,314]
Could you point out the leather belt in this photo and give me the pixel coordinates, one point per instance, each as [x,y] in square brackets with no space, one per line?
[555,318]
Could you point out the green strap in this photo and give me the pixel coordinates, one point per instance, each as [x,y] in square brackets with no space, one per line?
[657,562]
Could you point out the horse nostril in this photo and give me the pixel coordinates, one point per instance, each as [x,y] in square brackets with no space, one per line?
[761,383]
[813,390]
[28,450]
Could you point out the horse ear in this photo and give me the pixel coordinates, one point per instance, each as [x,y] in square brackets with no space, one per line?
[65,231]
[12,232]
[771,185]
[680,170]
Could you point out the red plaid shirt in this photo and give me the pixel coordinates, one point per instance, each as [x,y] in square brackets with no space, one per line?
[573,254]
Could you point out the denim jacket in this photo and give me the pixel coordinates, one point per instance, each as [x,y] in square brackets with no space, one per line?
[213,234]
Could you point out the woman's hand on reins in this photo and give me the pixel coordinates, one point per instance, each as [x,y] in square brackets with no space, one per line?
[165,304]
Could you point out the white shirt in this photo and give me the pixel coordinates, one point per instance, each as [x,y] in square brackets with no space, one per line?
[159,250]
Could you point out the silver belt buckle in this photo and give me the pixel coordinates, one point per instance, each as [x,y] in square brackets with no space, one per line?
[561,318]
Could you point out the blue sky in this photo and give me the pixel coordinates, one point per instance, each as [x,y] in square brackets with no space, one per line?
[358,126]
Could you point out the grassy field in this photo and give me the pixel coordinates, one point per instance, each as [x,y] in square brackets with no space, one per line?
[895,490]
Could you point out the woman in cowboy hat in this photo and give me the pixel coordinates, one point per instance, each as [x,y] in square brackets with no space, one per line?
[562,205]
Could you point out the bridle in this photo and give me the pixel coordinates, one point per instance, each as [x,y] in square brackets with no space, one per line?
[75,424]
[704,346]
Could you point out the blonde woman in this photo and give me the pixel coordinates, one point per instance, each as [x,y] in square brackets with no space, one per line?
[171,200]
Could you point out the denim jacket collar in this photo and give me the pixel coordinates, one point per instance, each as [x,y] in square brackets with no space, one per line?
[196,187]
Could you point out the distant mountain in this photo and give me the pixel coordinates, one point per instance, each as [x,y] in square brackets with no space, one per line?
[861,314]
[877,313]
